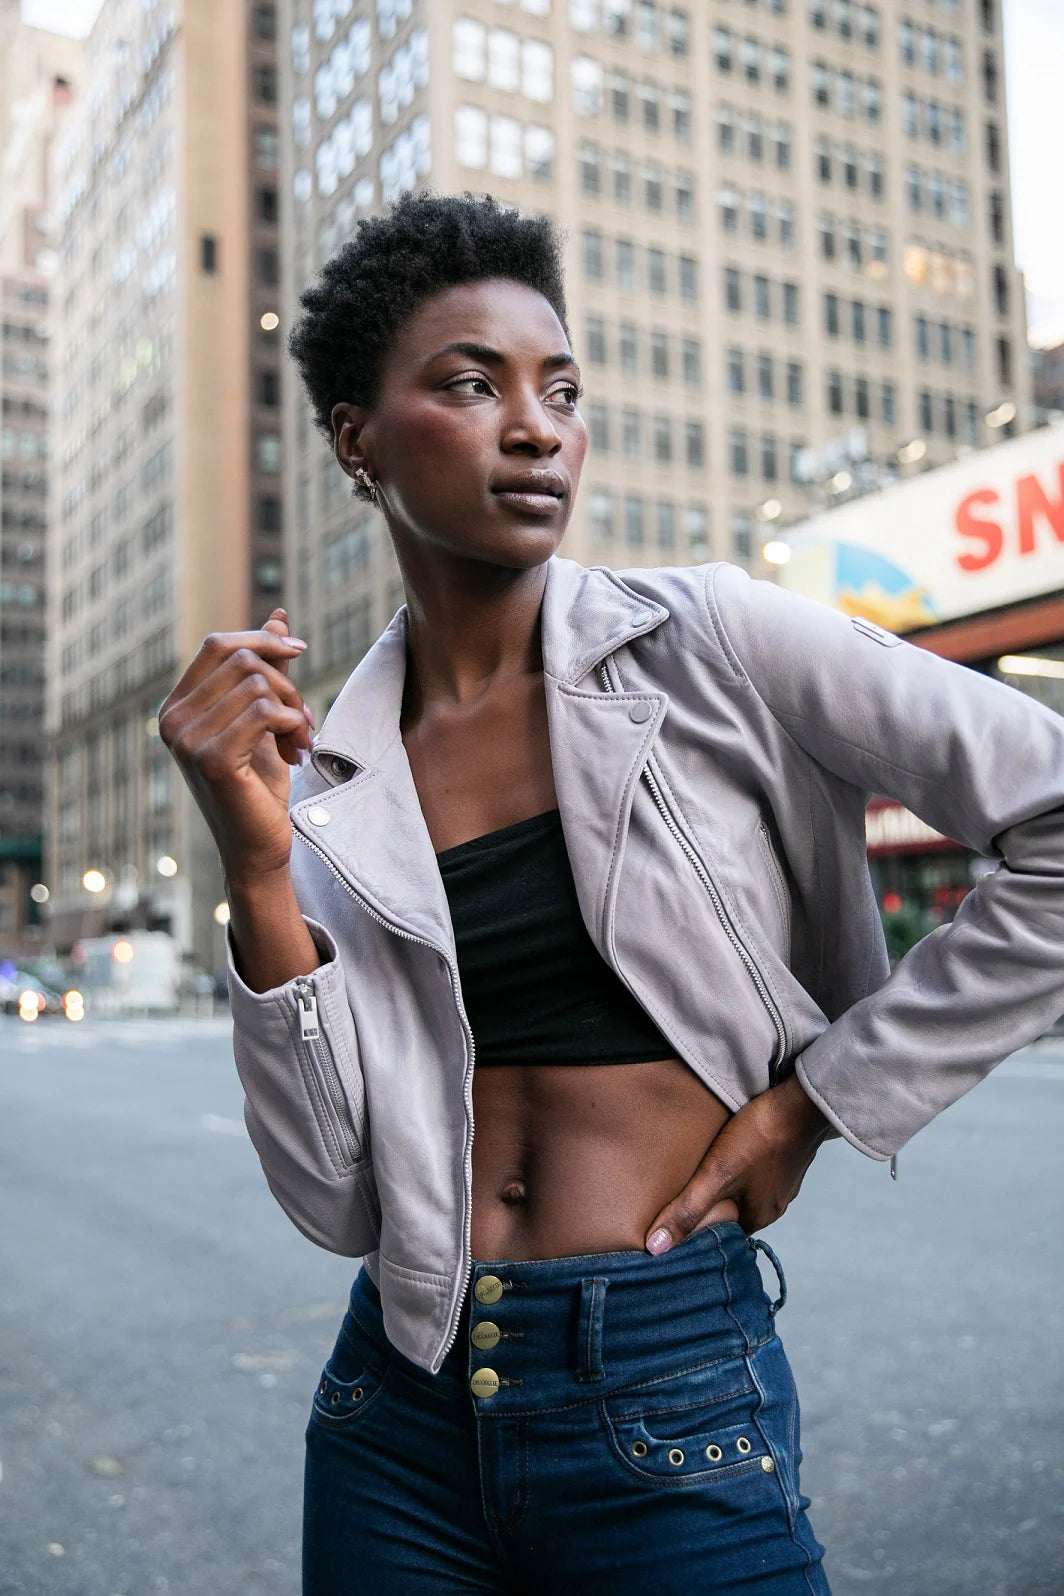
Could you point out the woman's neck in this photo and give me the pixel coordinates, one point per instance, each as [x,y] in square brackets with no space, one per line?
[471,627]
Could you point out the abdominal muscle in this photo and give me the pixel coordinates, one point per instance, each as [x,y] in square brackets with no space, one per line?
[571,1159]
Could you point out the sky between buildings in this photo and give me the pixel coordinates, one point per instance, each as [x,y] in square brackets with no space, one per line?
[1034,63]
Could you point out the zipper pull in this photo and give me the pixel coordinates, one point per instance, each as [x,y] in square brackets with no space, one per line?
[308,1013]
[893,1166]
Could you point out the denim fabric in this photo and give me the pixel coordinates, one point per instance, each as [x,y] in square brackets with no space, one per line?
[644,1437]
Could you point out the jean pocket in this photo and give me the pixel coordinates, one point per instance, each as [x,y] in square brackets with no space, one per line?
[351,1381]
[691,1429]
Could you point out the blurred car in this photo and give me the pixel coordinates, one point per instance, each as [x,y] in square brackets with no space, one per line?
[14,987]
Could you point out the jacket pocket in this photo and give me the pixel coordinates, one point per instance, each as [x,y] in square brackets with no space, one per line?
[695,1429]
[779,886]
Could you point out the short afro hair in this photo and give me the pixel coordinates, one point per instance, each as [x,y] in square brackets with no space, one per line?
[394,262]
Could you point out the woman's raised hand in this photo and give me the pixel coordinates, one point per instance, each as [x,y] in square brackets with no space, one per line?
[236,724]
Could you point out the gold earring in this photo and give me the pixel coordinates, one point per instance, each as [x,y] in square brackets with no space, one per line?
[362,476]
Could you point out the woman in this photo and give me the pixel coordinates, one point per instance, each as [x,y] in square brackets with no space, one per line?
[578,859]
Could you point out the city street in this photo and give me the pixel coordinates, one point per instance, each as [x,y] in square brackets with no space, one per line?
[162,1326]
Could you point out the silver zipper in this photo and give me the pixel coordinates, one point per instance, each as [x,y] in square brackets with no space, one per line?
[703,876]
[424,942]
[321,1056]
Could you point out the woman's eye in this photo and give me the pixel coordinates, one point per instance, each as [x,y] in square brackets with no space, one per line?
[463,382]
[570,393]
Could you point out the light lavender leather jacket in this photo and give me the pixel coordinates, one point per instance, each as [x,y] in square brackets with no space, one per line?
[714,740]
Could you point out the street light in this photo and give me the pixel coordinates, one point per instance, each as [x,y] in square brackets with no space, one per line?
[771,510]
[94,881]
[1001,415]
[221,913]
[912,451]
[269,321]
[166,866]
[840,482]
[39,892]
[776,552]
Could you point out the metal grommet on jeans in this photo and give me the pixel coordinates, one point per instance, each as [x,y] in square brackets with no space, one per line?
[633,1406]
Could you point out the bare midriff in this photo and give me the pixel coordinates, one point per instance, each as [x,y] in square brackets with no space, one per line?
[571,1159]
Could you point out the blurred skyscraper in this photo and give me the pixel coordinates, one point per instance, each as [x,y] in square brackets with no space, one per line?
[167,468]
[788,227]
[37,74]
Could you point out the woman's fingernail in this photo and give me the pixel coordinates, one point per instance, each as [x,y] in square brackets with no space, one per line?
[660,1241]
[294,642]
[311,722]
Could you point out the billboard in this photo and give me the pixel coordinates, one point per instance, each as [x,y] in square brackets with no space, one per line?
[983,532]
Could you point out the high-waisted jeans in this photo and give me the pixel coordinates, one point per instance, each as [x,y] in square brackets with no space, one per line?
[636,1432]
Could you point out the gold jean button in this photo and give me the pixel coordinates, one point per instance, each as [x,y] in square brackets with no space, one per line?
[484,1383]
[485,1336]
[488,1289]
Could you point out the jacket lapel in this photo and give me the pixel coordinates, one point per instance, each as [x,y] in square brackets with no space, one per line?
[375,835]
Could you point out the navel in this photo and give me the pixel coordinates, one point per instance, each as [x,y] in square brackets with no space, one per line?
[514,1191]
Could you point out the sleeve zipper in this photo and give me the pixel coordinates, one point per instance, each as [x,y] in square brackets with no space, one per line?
[325,1072]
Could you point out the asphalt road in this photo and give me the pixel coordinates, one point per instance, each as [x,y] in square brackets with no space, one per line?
[162,1327]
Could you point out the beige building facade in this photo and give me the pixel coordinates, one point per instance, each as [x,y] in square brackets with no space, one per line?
[788,246]
[166,501]
[38,72]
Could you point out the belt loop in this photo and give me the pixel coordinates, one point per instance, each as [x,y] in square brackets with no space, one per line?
[763,1246]
[589,1330]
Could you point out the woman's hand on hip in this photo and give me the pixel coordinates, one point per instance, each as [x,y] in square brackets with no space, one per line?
[236,724]
[753,1169]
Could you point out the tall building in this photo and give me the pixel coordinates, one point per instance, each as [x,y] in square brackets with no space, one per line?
[788,244]
[167,451]
[37,73]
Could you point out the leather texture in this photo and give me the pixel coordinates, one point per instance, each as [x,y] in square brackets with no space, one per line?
[713,806]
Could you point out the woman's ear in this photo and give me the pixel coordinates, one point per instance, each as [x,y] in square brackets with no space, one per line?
[348,422]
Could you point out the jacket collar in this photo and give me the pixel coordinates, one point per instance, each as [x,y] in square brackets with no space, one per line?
[587,613]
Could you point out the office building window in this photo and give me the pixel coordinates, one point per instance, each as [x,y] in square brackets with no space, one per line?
[769,465]
[694,444]
[593,259]
[625,262]
[665,523]
[596,341]
[208,253]
[766,378]
[688,277]
[925,411]
[790,304]
[835,393]
[888,404]
[631,434]
[692,362]
[629,348]
[656,271]
[762,298]
[633,520]
[600,507]
[738,458]
[590,168]
[598,428]
[621,167]
[662,429]
[733,293]
[861,401]
[794,383]
[831,315]
[659,354]
[696,528]
[736,378]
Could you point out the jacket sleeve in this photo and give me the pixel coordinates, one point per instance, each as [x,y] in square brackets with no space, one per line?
[304,1106]
[983,764]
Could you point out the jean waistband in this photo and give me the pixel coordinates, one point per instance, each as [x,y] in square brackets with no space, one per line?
[572,1329]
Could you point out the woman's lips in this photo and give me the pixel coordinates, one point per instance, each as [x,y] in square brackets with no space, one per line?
[538,503]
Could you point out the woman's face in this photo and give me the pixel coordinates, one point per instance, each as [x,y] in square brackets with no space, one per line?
[475,439]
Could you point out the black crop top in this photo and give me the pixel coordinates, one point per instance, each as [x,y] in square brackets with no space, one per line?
[535,987]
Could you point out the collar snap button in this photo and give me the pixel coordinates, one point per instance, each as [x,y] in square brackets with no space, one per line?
[640,618]
[318,816]
[640,712]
